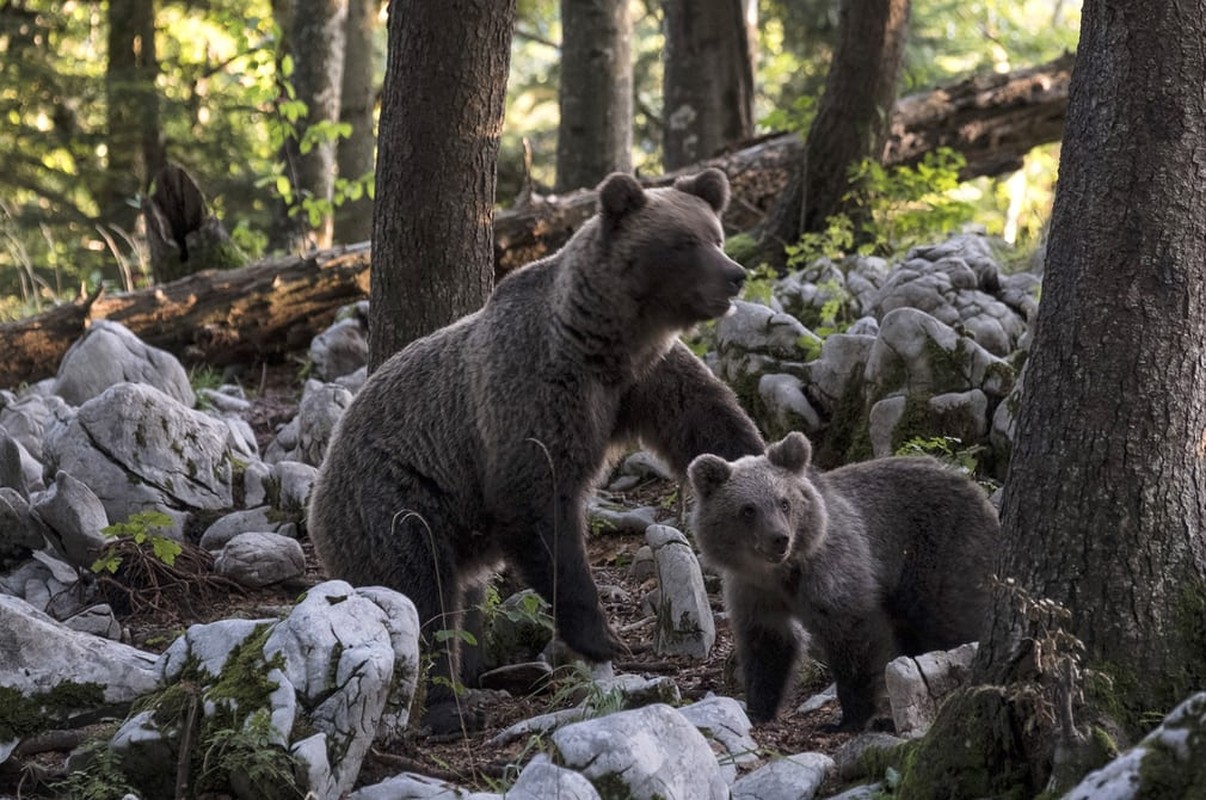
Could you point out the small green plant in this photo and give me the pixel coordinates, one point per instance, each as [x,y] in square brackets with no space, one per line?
[759,284]
[948,449]
[204,377]
[139,528]
[102,778]
[251,752]
[904,206]
[834,243]
[796,118]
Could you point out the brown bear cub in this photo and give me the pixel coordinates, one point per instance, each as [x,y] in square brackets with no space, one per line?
[876,560]
[479,443]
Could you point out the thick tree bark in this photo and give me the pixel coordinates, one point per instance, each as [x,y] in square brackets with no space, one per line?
[441,121]
[354,219]
[852,119]
[594,136]
[709,79]
[1105,501]
[134,141]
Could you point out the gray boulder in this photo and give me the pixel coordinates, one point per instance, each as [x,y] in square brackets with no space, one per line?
[141,450]
[109,354]
[61,673]
[261,519]
[342,348]
[651,752]
[796,777]
[74,518]
[26,419]
[1167,763]
[685,625]
[917,684]
[259,559]
[305,437]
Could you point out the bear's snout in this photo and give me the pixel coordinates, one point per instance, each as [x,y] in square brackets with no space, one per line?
[736,280]
[776,543]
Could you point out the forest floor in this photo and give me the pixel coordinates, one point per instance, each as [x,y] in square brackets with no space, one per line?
[474,762]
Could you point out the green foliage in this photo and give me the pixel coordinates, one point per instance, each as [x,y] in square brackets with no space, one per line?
[948,449]
[139,528]
[759,284]
[102,778]
[252,753]
[904,206]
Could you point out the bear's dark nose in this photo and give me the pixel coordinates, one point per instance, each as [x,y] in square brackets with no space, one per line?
[779,543]
[737,280]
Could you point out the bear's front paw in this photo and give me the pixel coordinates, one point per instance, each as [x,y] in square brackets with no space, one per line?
[455,718]
[596,643]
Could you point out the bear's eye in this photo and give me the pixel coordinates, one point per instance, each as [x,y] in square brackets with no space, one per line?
[748,512]
[784,505]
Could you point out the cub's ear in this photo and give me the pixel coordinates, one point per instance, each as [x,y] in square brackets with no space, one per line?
[619,195]
[711,184]
[708,473]
[792,452]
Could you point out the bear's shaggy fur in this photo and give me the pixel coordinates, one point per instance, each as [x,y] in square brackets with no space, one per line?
[878,559]
[479,443]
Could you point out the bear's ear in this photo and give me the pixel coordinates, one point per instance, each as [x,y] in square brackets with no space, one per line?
[792,452]
[708,473]
[620,195]
[711,184]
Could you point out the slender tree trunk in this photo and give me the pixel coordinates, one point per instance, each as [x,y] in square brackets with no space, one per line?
[354,219]
[595,133]
[134,142]
[852,118]
[441,121]
[317,43]
[709,79]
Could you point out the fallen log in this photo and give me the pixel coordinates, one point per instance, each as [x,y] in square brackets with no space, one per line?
[268,310]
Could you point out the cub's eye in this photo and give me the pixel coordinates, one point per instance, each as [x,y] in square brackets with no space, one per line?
[784,505]
[748,512]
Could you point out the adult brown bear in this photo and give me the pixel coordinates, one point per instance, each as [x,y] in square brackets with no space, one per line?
[479,443]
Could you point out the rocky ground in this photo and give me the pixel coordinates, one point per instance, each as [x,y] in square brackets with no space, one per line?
[159,615]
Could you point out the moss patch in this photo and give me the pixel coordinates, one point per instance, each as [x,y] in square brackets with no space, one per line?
[22,716]
[974,749]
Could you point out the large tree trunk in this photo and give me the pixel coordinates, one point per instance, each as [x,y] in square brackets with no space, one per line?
[134,142]
[594,136]
[852,119]
[709,79]
[1105,500]
[1105,503]
[354,219]
[441,120]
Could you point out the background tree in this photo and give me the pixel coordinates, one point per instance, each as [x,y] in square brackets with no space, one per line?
[315,37]
[594,136]
[1105,501]
[709,79]
[134,143]
[851,121]
[441,119]
[354,217]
